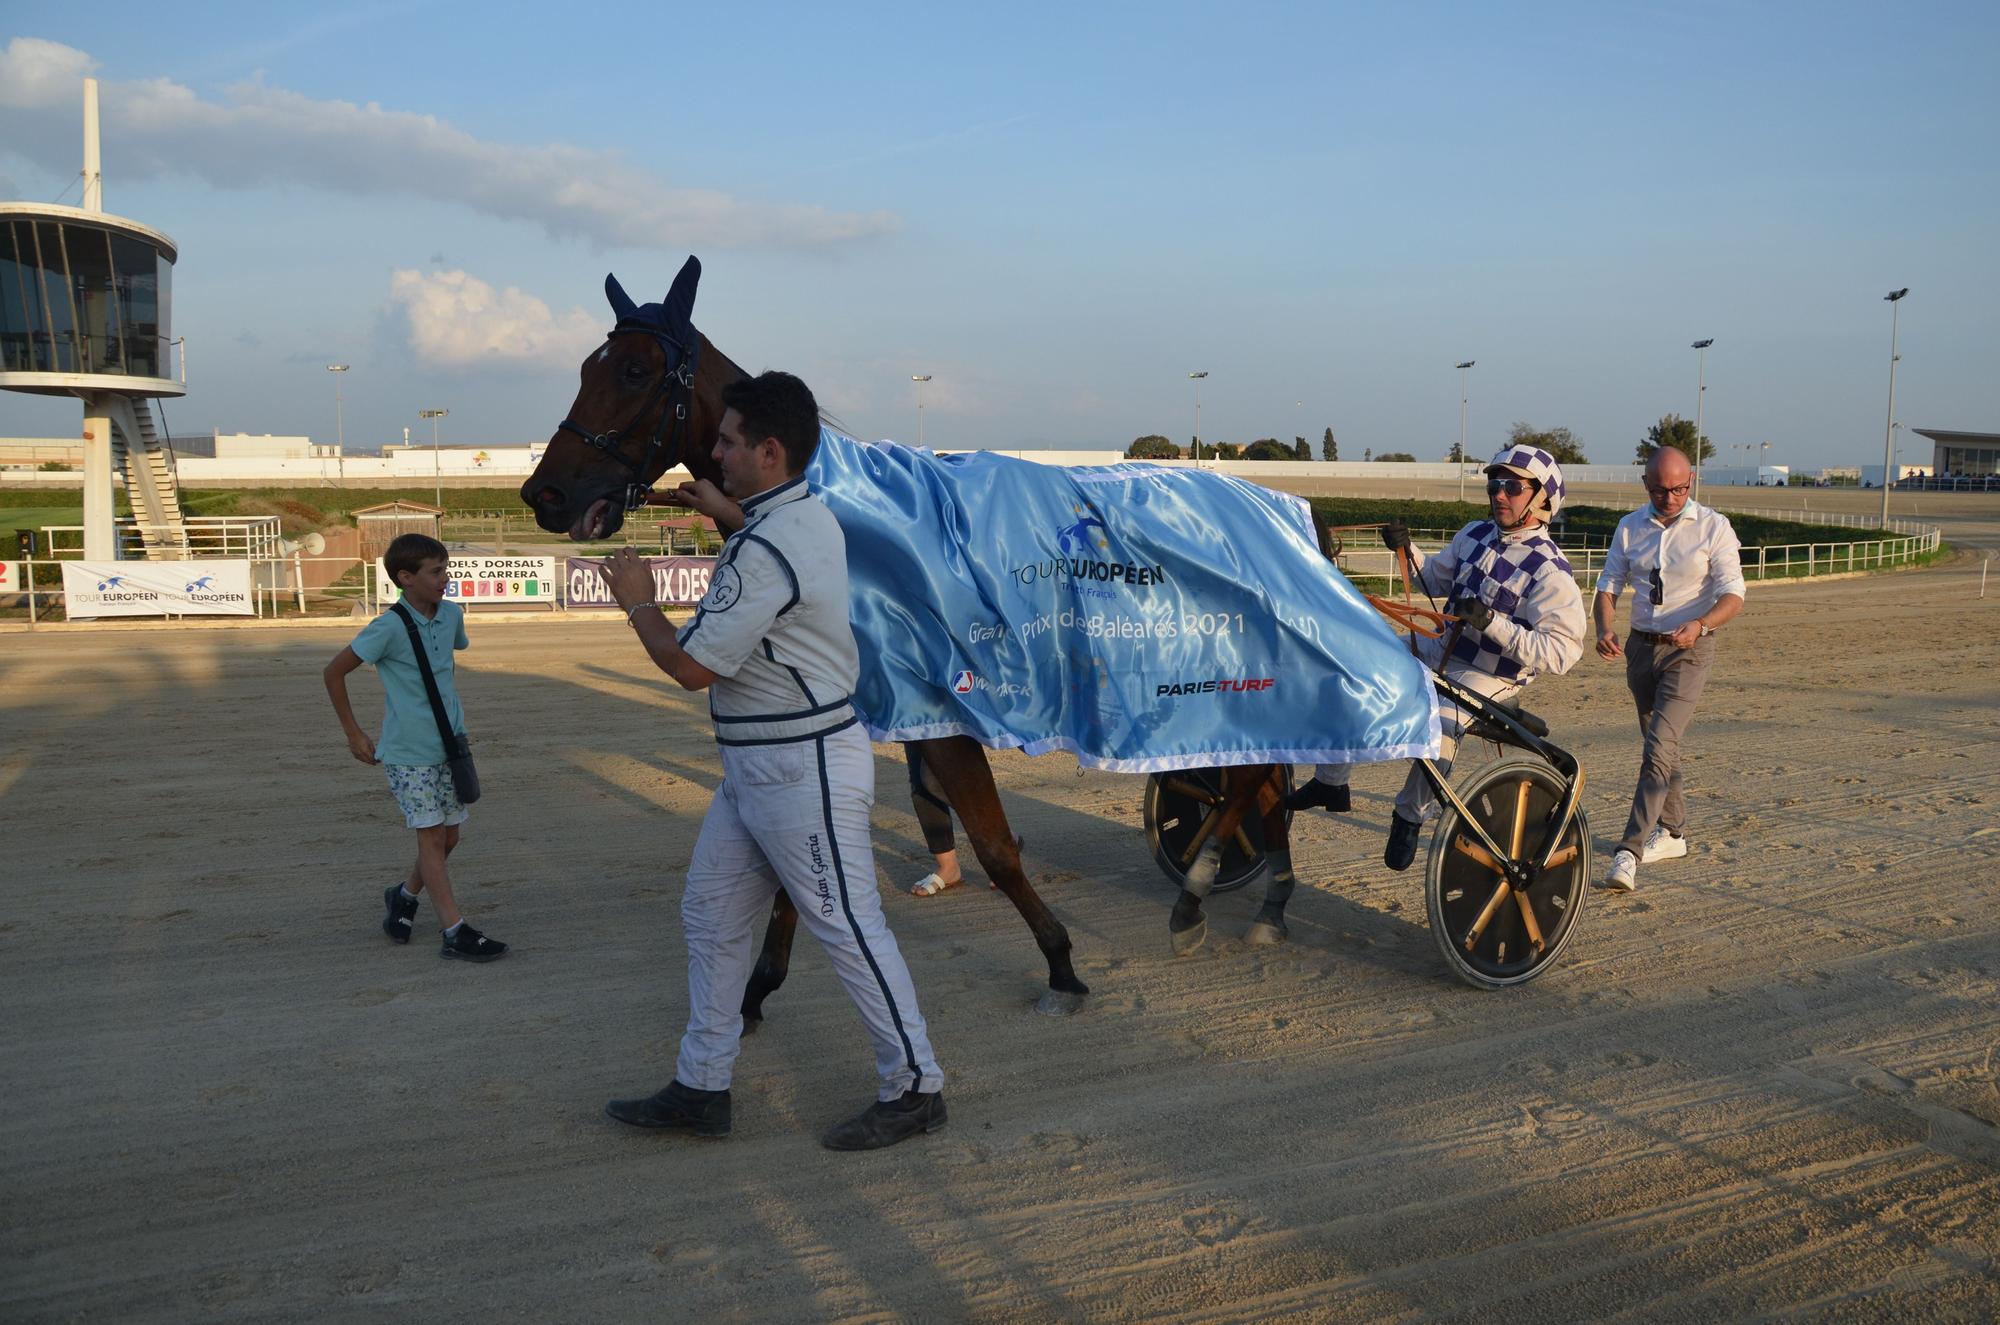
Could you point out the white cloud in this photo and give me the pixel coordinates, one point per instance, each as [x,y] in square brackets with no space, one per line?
[459,321]
[264,135]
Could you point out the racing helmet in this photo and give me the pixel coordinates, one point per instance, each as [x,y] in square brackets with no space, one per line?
[1537,464]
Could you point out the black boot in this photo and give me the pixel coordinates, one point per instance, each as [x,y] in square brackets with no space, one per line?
[678,1107]
[1316,795]
[886,1122]
[1402,848]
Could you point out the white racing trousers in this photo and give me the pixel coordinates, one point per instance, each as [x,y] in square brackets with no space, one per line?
[1416,800]
[795,815]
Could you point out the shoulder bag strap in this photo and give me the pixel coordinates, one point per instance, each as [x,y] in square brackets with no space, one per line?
[445,732]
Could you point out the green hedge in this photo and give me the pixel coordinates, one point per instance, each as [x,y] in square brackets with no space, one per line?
[1588,526]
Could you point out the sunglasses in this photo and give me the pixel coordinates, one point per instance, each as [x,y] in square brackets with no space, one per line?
[1513,487]
[1659,590]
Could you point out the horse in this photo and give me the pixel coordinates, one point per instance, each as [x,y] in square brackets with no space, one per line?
[648,399]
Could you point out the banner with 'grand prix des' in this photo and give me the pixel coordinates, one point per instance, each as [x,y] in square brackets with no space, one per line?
[1141,617]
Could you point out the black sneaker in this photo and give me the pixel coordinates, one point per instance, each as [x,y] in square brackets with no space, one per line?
[1317,795]
[884,1123]
[469,945]
[1402,848]
[400,911]
[678,1107]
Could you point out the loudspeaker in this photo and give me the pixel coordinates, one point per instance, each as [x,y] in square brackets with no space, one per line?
[24,542]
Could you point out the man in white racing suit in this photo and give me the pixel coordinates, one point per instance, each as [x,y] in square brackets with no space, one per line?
[772,644]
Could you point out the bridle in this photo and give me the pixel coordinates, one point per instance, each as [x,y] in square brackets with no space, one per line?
[676,387]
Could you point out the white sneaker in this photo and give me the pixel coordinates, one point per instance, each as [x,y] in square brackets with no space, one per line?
[1662,845]
[1623,875]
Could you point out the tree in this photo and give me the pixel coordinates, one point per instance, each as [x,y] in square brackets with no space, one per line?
[1457,456]
[1367,453]
[1328,448]
[1403,456]
[1228,451]
[1267,448]
[1300,451]
[1558,442]
[1677,432]
[1152,447]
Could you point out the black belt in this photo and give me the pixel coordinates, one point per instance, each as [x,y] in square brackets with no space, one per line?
[1653,637]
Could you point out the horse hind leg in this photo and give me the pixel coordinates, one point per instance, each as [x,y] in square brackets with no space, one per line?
[1269,926]
[773,963]
[967,778]
[1187,927]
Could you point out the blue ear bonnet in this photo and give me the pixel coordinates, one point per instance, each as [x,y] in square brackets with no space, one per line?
[672,318]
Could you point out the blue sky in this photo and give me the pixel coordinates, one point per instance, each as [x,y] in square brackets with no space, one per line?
[1059,212]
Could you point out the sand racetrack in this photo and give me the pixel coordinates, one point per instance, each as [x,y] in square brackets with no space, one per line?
[1761,1086]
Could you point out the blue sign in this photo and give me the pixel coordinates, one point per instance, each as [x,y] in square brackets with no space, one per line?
[1141,617]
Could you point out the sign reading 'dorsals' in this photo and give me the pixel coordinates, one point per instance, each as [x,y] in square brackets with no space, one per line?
[676,580]
[480,581]
[156,588]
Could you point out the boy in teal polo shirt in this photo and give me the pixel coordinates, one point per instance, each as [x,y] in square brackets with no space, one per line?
[410,748]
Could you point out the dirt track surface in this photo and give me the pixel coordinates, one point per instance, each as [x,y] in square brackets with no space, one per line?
[1761,1086]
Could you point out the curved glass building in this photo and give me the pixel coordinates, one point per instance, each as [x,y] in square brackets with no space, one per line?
[86,303]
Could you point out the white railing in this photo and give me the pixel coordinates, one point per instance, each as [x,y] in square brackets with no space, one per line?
[196,537]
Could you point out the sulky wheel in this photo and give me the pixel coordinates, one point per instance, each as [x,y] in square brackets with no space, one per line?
[1478,920]
[1179,808]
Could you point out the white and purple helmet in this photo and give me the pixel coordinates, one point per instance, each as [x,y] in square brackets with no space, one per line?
[1537,464]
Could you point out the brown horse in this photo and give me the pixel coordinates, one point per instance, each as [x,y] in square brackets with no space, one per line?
[649,399]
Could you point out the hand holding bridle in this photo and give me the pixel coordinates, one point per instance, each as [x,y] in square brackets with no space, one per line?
[1396,535]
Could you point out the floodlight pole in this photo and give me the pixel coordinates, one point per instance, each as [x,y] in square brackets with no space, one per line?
[1463,373]
[1700,395]
[339,423]
[920,379]
[1197,379]
[1895,298]
[437,466]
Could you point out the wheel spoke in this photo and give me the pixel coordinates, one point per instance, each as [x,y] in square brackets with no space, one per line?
[1194,791]
[1465,846]
[1244,844]
[1200,838]
[1563,857]
[1486,915]
[1520,817]
[1528,918]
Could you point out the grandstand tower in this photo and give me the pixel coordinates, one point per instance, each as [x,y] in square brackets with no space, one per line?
[85,304]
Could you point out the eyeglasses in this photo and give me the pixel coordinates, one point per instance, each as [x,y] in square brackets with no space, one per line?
[1659,590]
[1680,491]
[1513,487]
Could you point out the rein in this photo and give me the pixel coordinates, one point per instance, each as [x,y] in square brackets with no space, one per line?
[676,386]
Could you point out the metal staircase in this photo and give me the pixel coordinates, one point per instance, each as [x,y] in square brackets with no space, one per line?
[142,460]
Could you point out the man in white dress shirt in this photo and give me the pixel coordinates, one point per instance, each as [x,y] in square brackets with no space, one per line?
[1684,565]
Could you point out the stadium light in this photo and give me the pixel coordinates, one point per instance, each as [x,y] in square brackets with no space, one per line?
[1197,379]
[1895,298]
[437,467]
[1462,373]
[1700,395]
[920,379]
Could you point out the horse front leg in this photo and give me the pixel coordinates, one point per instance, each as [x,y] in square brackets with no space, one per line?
[773,963]
[967,777]
[1269,926]
[1242,789]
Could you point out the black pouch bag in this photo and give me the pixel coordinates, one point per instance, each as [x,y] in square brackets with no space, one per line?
[457,748]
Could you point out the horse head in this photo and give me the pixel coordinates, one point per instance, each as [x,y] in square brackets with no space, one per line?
[649,398]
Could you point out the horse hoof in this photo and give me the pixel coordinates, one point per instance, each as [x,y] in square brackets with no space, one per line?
[1187,940]
[1059,1003]
[1264,935]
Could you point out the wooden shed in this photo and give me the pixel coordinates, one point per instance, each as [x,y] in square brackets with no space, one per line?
[380,525]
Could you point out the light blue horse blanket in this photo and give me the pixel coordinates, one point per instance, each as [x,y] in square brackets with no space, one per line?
[1139,616]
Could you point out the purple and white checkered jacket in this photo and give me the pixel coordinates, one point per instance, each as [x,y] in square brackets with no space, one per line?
[1538,621]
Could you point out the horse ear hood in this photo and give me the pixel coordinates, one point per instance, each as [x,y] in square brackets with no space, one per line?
[621,303]
[673,318]
[680,299]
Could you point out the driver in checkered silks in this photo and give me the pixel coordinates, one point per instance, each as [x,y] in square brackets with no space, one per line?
[1520,614]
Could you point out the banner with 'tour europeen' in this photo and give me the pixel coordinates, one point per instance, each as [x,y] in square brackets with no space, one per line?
[1139,616]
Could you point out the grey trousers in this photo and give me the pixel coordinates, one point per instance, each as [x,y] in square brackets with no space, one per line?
[1665,683]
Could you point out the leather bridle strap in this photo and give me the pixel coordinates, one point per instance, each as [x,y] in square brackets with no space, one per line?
[676,386]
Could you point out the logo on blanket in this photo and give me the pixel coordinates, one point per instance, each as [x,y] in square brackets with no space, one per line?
[961,682]
[1083,552]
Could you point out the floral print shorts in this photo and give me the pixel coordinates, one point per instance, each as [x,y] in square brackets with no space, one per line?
[426,795]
